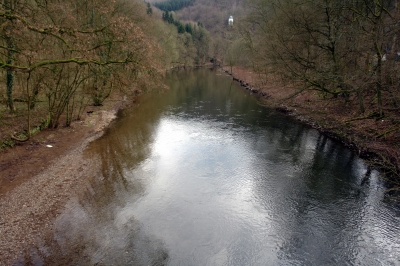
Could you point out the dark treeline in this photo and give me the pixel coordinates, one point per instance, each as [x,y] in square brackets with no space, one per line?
[173,5]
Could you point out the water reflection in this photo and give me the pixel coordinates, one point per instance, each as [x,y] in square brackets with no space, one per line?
[91,221]
[202,175]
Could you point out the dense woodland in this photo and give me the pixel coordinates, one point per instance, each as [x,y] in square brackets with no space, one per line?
[63,55]
[57,57]
[334,47]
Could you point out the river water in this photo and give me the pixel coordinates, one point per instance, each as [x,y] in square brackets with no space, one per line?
[201,174]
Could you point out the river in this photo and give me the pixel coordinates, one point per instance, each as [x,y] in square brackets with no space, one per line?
[201,174]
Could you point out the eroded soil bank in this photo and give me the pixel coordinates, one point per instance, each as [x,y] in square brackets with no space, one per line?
[376,139]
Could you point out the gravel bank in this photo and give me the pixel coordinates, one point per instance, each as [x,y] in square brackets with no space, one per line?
[28,211]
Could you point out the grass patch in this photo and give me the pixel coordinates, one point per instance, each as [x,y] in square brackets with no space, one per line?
[8,143]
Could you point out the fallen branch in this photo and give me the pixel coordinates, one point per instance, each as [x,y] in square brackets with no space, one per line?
[388,131]
[369,116]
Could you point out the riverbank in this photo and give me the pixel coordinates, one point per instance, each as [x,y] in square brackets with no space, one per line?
[377,140]
[39,176]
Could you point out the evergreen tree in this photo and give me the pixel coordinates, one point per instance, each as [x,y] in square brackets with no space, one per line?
[188,28]
[173,5]
[149,10]
[170,18]
[181,29]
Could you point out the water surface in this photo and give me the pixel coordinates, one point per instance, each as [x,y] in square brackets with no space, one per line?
[203,175]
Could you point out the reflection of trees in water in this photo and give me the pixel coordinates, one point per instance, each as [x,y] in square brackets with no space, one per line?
[203,93]
[82,240]
[314,195]
[88,231]
[120,150]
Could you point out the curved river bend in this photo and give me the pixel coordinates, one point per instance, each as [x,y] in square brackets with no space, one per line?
[203,175]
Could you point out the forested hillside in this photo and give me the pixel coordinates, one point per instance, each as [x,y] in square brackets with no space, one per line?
[59,57]
[333,47]
[214,15]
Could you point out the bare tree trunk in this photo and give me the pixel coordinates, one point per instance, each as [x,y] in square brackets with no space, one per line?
[360,100]
[28,96]
[10,58]
[379,85]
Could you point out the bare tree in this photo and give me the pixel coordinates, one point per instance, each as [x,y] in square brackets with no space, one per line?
[334,47]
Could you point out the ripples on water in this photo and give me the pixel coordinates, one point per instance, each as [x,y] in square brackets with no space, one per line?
[202,175]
